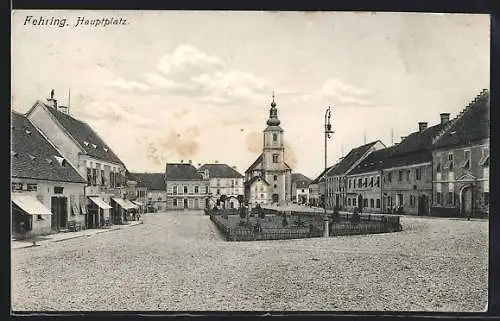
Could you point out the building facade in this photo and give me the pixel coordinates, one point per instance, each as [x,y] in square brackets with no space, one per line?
[224,180]
[258,190]
[270,166]
[461,163]
[82,147]
[300,188]
[152,191]
[187,188]
[47,191]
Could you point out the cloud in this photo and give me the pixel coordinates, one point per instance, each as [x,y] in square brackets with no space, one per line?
[121,83]
[183,143]
[337,92]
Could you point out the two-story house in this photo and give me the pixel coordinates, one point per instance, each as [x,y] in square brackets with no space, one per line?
[257,191]
[364,186]
[224,180]
[317,188]
[300,188]
[461,162]
[336,183]
[152,191]
[83,148]
[47,191]
[187,188]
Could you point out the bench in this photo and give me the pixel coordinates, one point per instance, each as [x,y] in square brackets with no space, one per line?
[74,226]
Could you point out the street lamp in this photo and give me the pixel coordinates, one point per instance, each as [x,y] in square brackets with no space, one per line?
[328,134]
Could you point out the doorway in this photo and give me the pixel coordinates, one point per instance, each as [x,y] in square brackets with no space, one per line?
[185,203]
[466,206]
[275,198]
[423,205]
[59,207]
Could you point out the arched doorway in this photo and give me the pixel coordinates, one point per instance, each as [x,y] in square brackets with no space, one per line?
[360,201]
[185,203]
[466,201]
[275,198]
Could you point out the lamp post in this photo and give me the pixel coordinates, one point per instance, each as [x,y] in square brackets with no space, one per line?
[328,133]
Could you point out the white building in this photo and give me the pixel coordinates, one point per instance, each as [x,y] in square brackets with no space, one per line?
[224,180]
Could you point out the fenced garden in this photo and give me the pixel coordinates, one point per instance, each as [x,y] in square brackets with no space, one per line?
[267,224]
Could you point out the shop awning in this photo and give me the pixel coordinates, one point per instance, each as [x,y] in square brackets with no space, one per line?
[131,203]
[99,202]
[123,204]
[30,204]
[137,203]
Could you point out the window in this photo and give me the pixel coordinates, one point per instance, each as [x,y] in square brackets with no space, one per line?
[450,161]
[175,202]
[412,201]
[371,181]
[39,217]
[94,176]
[275,137]
[275,186]
[438,167]
[438,198]
[360,183]
[389,177]
[17,186]
[466,163]
[378,202]
[218,191]
[365,202]
[450,156]
[275,158]
[353,202]
[31,187]
[378,181]
[58,189]
[185,189]
[174,189]
[261,195]
[196,189]
[354,183]
[349,202]
[206,189]
[303,191]
[275,177]
[232,183]
[408,175]
[349,183]
[372,203]
[400,176]
[450,198]
[103,182]
[418,174]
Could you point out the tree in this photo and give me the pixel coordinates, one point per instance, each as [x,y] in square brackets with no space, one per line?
[223,199]
[241,200]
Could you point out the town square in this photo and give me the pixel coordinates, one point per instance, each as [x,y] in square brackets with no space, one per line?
[290,162]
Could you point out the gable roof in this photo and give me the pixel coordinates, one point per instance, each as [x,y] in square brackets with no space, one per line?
[354,155]
[373,162]
[220,171]
[253,179]
[152,181]
[473,124]
[255,163]
[418,141]
[33,156]
[85,136]
[182,171]
[321,177]
[300,180]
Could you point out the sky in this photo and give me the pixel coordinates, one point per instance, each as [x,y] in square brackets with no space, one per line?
[188,85]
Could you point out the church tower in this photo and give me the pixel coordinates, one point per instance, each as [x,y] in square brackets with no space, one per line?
[275,170]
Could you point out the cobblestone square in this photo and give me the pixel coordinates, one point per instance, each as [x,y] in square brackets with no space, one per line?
[179,261]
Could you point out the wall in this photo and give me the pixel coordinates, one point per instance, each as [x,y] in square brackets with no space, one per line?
[45,191]
[368,192]
[226,186]
[156,199]
[194,200]
[259,193]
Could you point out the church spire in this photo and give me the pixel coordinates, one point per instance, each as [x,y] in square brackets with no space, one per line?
[273,114]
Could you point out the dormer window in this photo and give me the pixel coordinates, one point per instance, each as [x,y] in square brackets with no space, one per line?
[105,149]
[86,143]
[28,132]
[13,153]
[94,145]
[31,157]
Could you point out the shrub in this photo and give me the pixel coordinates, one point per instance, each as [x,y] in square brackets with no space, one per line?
[242,211]
[355,218]
[300,221]
[284,222]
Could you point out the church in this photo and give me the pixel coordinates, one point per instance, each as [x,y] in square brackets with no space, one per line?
[268,179]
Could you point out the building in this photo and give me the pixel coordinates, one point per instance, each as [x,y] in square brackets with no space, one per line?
[152,191]
[258,191]
[187,188]
[47,191]
[407,173]
[83,149]
[317,188]
[300,188]
[270,166]
[364,186]
[336,183]
[224,180]
[460,160]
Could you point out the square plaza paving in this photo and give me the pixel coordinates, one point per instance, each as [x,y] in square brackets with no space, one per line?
[179,261]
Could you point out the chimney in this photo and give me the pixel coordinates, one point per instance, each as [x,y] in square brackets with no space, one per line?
[182,161]
[190,162]
[403,138]
[445,117]
[216,162]
[422,126]
[52,102]
[234,167]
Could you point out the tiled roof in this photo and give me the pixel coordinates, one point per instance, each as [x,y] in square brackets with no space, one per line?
[373,162]
[32,156]
[182,171]
[418,141]
[152,181]
[85,136]
[221,171]
[473,125]
[354,155]
[254,164]
[253,179]
[321,176]
[300,180]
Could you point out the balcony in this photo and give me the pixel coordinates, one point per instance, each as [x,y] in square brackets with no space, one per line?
[113,191]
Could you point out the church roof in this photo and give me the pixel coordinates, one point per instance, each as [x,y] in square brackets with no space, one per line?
[254,164]
[253,179]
